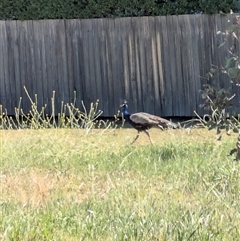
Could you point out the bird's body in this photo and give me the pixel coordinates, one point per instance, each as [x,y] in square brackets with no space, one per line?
[142,121]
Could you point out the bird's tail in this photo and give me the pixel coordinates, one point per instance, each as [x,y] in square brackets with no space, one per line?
[168,124]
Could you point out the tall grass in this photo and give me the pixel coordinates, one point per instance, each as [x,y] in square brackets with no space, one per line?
[70,116]
[61,184]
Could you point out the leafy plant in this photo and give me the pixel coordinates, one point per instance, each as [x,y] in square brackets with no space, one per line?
[219,101]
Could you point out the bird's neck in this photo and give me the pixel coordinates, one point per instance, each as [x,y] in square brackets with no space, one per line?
[125,112]
[126,116]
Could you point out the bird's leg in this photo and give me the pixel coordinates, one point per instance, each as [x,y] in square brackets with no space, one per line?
[135,138]
[161,127]
[146,132]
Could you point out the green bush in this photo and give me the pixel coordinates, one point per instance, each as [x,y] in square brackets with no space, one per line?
[218,98]
[61,9]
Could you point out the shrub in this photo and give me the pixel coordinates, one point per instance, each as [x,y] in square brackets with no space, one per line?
[61,9]
[219,101]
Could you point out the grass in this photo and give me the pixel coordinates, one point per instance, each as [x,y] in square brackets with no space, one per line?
[62,184]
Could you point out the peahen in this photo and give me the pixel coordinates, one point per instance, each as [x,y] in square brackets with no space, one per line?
[142,121]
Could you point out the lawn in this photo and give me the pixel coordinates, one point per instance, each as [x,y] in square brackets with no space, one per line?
[67,184]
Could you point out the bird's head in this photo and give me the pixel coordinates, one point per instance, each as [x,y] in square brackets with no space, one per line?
[124,103]
[124,107]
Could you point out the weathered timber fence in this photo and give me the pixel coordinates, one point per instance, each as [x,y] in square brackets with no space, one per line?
[158,63]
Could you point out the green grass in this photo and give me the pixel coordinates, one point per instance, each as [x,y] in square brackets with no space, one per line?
[66,185]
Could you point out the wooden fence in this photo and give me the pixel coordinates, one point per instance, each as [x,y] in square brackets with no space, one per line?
[158,63]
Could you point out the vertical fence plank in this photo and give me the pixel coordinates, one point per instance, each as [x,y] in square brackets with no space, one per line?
[167,98]
[37,51]
[186,57]
[44,53]
[194,66]
[103,33]
[97,30]
[75,59]
[143,81]
[49,63]
[172,65]
[30,67]
[119,62]
[116,58]
[61,61]
[178,87]
[134,92]
[127,59]
[84,82]
[198,63]
[110,54]
[91,92]
[69,58]
[3,68]
[201,79]
[148,92]
[154,62]
[9,61]
[22,31]
[159,66]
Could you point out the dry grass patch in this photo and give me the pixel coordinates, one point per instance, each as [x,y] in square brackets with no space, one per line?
[38,187]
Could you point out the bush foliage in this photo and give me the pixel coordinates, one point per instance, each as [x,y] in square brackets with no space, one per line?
[62,9]
[219,100]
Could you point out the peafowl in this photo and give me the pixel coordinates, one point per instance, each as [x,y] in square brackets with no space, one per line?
[142,121]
